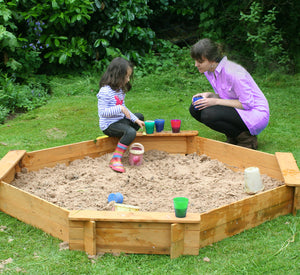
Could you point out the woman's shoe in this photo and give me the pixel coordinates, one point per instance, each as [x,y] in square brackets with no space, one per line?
[245,139]
[231,140]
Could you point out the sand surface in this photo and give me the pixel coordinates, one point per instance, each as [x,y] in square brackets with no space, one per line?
[86,183]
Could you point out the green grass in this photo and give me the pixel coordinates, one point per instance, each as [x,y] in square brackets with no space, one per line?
[71,116]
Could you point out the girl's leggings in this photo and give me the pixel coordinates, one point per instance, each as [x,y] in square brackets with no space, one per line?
[220,118]
[125,129]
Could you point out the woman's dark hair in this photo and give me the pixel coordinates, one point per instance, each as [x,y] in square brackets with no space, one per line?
[116,73]
[206,48]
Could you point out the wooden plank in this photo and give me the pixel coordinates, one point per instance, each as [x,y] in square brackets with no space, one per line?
[35,211]
[296,204]
[176,145]
[76,246]
[90,238]
[157,242]
[288,168]
[132,237]
[159,217]
[177,240]
[191,145]
[148,241]
[247,206]
[228,221]
[191,242]
[77,233]
[8,165]
[131,225]
[177,232]
[76,236]
[169,134]
[173,143]
[67,153]
[136,250]
[233,227]
[239,158]
[94,148]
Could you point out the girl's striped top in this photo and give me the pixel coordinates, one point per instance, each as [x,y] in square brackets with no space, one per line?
[109,107]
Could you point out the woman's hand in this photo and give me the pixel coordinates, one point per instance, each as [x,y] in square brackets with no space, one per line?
[140,123]
[125,111]
[205,102]
[208,99]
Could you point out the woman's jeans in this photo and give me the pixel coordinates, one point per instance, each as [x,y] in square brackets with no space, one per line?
[125,129]
[220,118]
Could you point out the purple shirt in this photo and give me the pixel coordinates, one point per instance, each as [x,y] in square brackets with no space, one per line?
[232,81]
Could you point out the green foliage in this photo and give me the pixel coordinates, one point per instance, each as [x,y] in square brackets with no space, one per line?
[8,40]
[121,28]
[264,38]
[19,98]
[47,36]
[278,21]
[3,113]
[168,57]
[58,27]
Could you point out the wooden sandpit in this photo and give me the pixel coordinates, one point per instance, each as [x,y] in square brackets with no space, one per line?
[150,232]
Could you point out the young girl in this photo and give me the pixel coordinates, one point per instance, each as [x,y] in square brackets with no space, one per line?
[238,108]
[115,119]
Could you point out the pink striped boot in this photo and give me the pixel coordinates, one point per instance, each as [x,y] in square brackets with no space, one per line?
[115,162]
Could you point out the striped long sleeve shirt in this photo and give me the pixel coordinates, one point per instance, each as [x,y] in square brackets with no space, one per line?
[109,107]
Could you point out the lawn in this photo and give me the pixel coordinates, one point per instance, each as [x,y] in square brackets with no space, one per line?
[71,116]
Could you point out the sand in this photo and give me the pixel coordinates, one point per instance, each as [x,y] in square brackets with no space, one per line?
[86,183]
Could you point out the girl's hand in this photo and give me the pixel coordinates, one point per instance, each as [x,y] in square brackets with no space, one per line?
[125,112]
[140,123]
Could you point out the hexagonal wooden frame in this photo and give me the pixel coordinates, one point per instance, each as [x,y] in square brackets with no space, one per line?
[150,232]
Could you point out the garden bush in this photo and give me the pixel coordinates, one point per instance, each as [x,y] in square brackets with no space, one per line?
[63,36]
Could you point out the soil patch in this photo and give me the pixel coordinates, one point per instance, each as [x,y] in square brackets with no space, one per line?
[86,183]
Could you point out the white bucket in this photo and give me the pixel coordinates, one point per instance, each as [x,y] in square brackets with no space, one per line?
[136,152]
[253,182]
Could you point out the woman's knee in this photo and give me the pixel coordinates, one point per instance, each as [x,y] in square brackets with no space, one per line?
[196,114]
[207,115]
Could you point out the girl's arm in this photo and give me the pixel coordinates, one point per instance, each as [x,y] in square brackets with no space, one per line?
[125,111]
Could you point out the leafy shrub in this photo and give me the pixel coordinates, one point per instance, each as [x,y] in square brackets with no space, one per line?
[44,36]
[20,98]
[3,113]
[264,38]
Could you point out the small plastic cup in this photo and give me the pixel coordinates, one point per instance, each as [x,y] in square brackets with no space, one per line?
[149,125]
[180,206]
[195,99]
[175,124]
[159,124]
[117,197]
